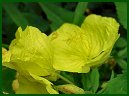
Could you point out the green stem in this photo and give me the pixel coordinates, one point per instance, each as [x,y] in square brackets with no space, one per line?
[65,79]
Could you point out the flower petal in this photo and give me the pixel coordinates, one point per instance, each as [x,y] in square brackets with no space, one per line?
[34,85]
[103,33]
[77,49]
[6,58]
[69,43]
[31,51]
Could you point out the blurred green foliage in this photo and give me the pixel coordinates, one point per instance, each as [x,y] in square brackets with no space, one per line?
[110,78]
[122,12]
[90,80]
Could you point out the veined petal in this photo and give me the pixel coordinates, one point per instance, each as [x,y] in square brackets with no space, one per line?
[47,83]
[31,51]
[103,33]
[77,49]
[69,43]
[34,85]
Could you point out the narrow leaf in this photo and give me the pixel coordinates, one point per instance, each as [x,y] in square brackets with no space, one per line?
[123,53]
[5,46]
[15,14]
[79,13]
[122,12]
[121,42]
[56,14]
[122,63]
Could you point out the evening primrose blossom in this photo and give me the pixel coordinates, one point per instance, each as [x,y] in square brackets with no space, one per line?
[38,57]
[31,55]
[77,49]
[31,51]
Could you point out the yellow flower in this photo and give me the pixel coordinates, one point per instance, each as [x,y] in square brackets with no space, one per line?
[31,55]
[31,51]
[76,49]
[33,84]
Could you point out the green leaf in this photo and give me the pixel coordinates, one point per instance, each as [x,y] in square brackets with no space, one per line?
[56,14]
[90,80]
[121,42]
[8,24]
[123,53]
[117,85]
[79,13]
[8,75]
[15,14]
[38,21]
[122,12]
[5,46]
[122,63]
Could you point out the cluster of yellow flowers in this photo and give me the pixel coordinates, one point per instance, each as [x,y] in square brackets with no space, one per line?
[38,58]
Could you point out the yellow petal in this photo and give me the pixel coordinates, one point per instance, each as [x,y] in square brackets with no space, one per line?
[69,47]
[34,85]
[5,55]
[77,49]
[6,58]
[102,33]
[31,52]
